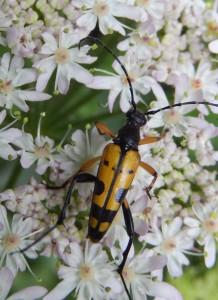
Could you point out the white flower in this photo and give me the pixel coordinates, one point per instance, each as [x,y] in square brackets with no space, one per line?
[173,242]
[7,136]
[39,150]
[13,239]
[197,85]
[140,283]
[87,273]
[30,293]
[105,11]
[67,60]
[173,118]
[13,76]
[205,229]
[82,149]
[117,83]
[20,40]
[142,42]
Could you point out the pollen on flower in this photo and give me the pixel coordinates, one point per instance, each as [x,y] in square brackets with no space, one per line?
[128,274]
[42,152]
[197,84]
[169,245]
[144,3]
[11,242]
[87,272]
[101,9]
[6,87]
[125,81]
[211,225]
[172,117]
[62,56]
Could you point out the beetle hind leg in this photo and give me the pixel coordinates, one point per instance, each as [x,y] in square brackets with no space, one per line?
[130,231]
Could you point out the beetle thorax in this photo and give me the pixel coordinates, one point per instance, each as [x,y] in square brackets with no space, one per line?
[129,135]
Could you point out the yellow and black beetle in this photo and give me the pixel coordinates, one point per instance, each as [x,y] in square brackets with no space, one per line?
[118,165]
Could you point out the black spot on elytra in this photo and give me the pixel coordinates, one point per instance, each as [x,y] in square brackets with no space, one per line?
[130,171]
[120,194]
[99,187]
[106,162]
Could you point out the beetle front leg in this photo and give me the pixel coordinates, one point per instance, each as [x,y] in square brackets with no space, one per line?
[153,139]
[103,129]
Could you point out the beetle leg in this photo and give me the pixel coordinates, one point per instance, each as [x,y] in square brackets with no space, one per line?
[103,129]
[152,139]
[81,177]
[151,171]
[130,231]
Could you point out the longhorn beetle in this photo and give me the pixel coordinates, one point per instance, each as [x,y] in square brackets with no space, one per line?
[118,165]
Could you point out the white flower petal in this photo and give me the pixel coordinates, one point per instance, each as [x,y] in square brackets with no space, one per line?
[6,151]
[210,249]
[24,76]
[163,290]
[2,115]
[33,95]
[29,293]
[63,289]
[6,280]
[50,45]
[27,159]
[79,73]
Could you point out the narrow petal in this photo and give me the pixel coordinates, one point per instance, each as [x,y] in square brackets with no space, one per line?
[7,151]
[30,293]
[163,290]
[79,73]
[63,289]
[2,115]
[25,76]
[27,159]
[33,95]
[50,45]
[210,249]
[6,280]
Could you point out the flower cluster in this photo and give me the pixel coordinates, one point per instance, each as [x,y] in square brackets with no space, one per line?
[169,52]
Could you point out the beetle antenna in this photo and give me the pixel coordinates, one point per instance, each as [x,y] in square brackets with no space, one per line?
[153,112]
[132,101]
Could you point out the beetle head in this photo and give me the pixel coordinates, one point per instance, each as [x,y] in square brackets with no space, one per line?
[136,116]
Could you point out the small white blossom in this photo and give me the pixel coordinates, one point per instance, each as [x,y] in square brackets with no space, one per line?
[59,54]
[173,118]
[173,242]
[7,136]
[81,150]
[12,77]
[104,12]
[205,229]
[87,273]
[118,84]
[13,239]
[139,281]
